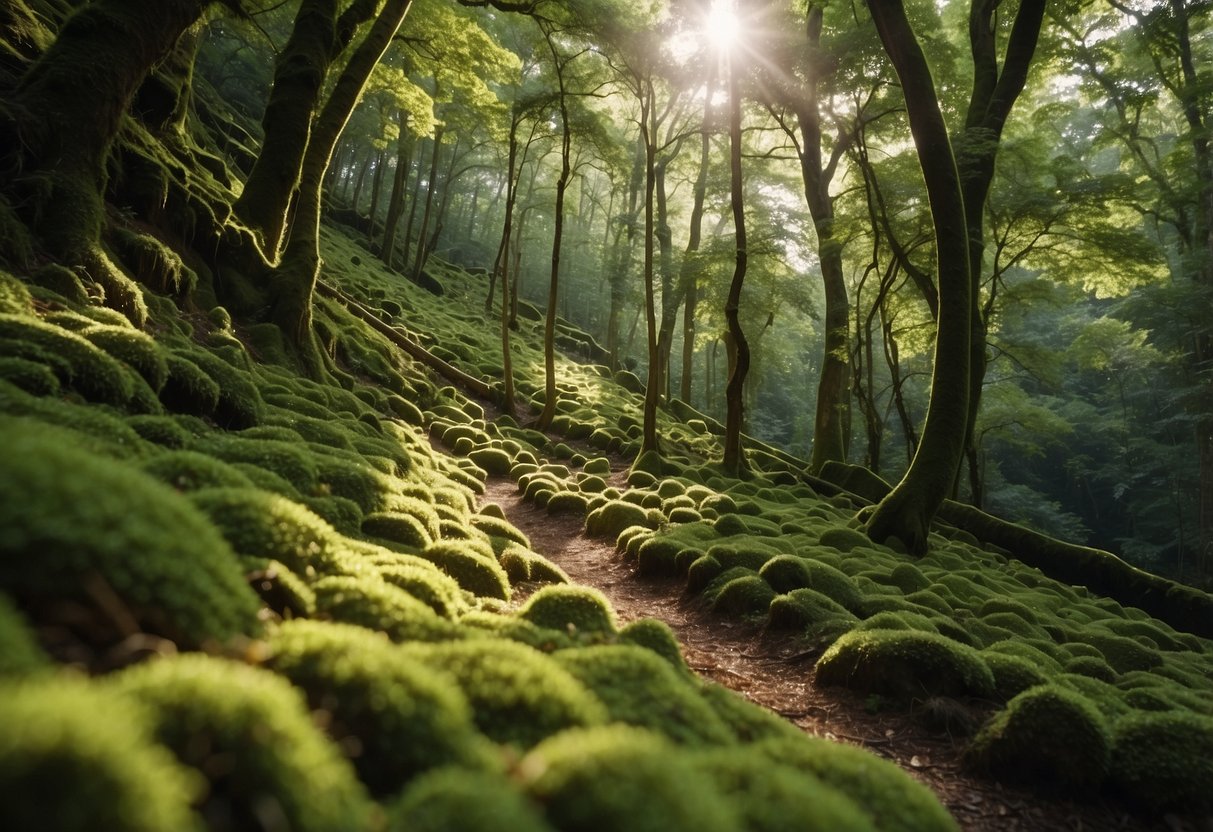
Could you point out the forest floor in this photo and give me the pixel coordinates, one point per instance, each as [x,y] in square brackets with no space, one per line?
[778,674]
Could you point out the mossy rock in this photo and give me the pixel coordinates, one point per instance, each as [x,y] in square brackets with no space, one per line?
[476,572]
[577,609]
[425,582]
[844,539]
[251,731]
[1047,735]
[58,533]
[33,377]
[399,527]
[621,777]
[904,664]
[499,527]
[1012,674]
[373,603]
[493,460]
[258,524]
[240,404]
[458,800]
[517,694]
[908,578]
[655,635]
[771,798]
[191,471]
[612,518]
[65,737]
[1164,761]
[641,689]
[1122,653]
[405,718]
[891,799]
[1094,666]
[134,348]
[188,389]
[807,608]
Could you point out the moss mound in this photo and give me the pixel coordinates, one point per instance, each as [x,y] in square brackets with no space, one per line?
[1048,735]
[640,689]
[892,801]
[619,777]
[575,609]
[456,800]
[404,717]
[1164,761]
[517,694]
[66,522]
[904,664]
[250,731]
[111,772]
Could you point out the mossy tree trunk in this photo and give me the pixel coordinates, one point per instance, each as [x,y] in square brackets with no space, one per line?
[559,63]
[831,425]
[995,90]
[319,35]
[688,273]
[739,350]
[66,111]
[908,510]
[293,282]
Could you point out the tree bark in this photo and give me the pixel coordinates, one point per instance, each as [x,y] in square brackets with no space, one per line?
[404,161]
[908,510]
[420,257]
[734,461]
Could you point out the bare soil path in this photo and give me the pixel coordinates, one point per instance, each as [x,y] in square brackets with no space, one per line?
[779,676]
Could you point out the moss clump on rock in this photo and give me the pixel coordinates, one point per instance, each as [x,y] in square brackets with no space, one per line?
[888,796]
[1012,674]
[478,573]
[640,689]
[251,732]
[66,521]
[1164,761]
[772,798]
[458,800]
[620,777]
[1049,735]
[77,757]
[518,695]
[904,664]
[614,517]
[656,636]
[375,604]
[405,718]
[578,609]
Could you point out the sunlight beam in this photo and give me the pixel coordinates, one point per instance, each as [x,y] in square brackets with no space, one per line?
[722,27]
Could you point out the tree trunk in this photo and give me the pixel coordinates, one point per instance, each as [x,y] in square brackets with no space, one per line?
[376,189]
[419,259]
[648,132]
[395,207]
[734,455]
[294,281]
[908,510]
[60,122]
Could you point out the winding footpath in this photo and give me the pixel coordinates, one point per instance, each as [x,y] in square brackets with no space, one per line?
[779,676]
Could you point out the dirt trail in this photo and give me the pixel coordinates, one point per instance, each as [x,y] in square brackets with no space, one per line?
[778,676]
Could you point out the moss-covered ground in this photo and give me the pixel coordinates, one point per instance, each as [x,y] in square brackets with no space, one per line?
[288,596]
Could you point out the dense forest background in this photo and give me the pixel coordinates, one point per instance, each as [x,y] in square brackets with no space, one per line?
[1094,278]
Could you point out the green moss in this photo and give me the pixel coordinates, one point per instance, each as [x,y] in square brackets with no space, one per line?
[1122,653]
[478,573]
[283,459]
[375,604]
[251,732]
[619,777]
[888,796]
[240,404]
[1012,674]
[904,664]
[134,348]
[405,718]
[787,572]
[908,578]
[807,608]
[20,654]
[86,368]
[656,636]
[457,800]
[844,539]
[614,517]
[1093,666]
[33,377]
[187,389]
[398,527]
[54,745]
[499,527]
[1164,761]
[263,525]
[59,534]
[1048,735]
[773,798]
[517,694]
[577,609]
[426,583]
[640,689]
